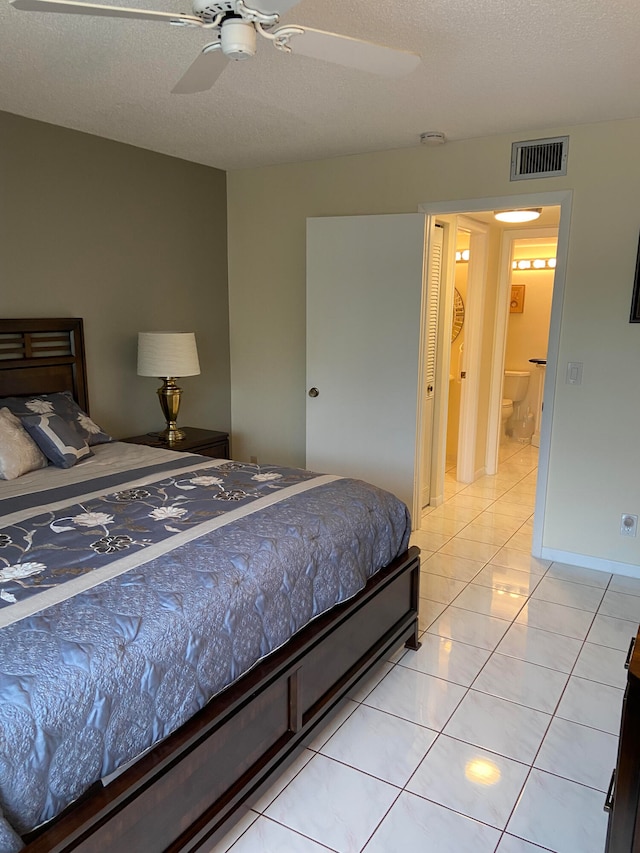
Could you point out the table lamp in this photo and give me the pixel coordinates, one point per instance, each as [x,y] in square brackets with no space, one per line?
[168,355]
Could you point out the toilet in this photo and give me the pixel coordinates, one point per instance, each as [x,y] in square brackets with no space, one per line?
[514,390]
[507,411]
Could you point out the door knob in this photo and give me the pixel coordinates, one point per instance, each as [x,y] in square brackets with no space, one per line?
[430,389]
[313,392]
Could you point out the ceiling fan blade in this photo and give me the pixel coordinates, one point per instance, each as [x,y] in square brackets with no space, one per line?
[271,6]
[72,8]
[202,73]
[351,52]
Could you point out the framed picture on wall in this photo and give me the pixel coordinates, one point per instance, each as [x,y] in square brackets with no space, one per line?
[635,301]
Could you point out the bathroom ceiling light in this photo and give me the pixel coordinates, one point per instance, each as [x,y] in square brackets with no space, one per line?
[523,215]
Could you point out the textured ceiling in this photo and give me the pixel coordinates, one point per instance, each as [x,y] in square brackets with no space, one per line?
[489,66]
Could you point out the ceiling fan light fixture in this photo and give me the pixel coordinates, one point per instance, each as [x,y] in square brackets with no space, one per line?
[238,39]
[236,27]
[520,215]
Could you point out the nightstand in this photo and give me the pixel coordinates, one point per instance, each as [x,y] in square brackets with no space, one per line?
[206,442]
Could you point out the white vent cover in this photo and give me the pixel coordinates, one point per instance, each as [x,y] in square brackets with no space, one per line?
[539,158]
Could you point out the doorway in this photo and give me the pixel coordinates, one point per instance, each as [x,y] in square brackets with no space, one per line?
[489,323]
[525,299]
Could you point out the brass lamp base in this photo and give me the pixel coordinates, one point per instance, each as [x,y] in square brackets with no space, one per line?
[169,395]
[169,435]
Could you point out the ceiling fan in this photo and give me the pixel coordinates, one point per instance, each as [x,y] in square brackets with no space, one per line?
[236,27]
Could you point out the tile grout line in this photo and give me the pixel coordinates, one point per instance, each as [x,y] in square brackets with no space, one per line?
[552,717]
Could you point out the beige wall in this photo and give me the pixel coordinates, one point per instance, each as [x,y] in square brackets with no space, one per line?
[595,453]
[528,332]
[128,240]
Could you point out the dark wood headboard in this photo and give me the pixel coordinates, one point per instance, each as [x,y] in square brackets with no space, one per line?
[41,356]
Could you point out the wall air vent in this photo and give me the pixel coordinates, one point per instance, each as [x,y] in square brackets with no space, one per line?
[539,158]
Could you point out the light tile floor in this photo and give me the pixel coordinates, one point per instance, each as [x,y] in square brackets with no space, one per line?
[499,735]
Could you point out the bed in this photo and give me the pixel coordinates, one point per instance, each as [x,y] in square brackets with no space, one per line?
[220,746]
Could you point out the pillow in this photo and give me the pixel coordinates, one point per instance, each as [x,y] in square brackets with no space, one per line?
[58,439]
[19,453]
[62,404]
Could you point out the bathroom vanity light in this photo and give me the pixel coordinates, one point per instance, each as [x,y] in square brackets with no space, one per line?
[534,264]
[522,215]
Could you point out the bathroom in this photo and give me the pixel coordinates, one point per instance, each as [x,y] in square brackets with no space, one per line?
[529,312]
[532,274]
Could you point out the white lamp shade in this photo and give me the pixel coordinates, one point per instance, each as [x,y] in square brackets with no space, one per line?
[167,354]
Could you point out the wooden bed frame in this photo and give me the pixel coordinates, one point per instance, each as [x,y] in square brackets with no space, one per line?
[42,356]
[186,791]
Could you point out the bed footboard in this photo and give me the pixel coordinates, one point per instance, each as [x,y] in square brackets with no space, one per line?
[187,790]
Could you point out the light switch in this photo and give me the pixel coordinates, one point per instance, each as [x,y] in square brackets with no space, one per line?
[574,373]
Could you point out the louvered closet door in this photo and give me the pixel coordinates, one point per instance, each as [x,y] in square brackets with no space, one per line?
[365,279]
[434,278]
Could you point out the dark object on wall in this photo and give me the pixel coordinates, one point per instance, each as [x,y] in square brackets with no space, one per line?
[635,302]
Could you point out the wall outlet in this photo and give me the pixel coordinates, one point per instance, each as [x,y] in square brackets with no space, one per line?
[254,461]
[628,525]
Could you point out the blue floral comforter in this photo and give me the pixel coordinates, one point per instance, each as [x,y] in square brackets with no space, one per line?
[129,602]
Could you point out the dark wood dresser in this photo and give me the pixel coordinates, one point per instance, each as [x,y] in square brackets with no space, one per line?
[623,797]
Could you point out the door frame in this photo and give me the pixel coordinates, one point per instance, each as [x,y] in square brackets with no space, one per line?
[470,389]
[563,199]
[509,236]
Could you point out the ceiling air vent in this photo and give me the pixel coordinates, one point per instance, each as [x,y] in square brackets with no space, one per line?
[539,158]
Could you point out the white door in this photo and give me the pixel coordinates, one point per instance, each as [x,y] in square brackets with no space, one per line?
[430,353]
[365,282]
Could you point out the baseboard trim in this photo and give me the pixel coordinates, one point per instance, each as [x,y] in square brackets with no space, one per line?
[630,570]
